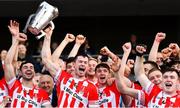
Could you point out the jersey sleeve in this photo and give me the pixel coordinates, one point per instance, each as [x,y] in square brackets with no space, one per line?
[61,76]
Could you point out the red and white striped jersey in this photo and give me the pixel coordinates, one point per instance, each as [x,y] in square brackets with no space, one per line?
[159,99]
[109,96]
[3,89]
[76,93]
[135,102]
[26,97]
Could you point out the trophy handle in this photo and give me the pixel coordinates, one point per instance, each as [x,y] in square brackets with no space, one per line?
[27,23]
[43,33]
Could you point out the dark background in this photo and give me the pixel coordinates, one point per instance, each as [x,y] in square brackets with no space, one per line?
[103,22]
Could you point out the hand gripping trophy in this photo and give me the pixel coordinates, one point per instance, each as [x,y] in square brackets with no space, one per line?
[38,21]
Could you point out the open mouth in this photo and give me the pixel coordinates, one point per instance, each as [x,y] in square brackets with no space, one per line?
[102,78]
[29,73]
[168,84]
[81,69]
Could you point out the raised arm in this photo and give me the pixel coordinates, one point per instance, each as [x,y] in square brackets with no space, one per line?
[106,51]
[51,66]
[80,39]
[16,38]
[127,49]
[139,67]
[57,53]
[154,49]
[123,83]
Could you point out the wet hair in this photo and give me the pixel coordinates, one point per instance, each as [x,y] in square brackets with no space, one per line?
[168,69]
[104,65]
[152,63]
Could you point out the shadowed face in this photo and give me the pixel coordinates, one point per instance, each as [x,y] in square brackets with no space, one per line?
[3,54]
[92,66]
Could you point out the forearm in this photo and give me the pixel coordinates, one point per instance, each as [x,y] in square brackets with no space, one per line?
[74,51]
[46,57]
[138,66]
[139,72]
[154,51]
[46,51]
[57,53]
[122,81]
[112,55]
[9,68]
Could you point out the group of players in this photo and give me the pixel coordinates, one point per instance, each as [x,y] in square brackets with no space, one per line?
[84,81]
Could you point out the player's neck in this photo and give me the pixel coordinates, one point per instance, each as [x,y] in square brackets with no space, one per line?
[171,93]
[91,78]
[102,85]
[27,83]
[80,77]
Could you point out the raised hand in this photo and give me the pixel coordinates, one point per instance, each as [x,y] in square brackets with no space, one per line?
[166,52]
[80,39]
[105,51]
[127,47]
[69,37]
[175,48]
[14,28]
[141,49]
[160,36]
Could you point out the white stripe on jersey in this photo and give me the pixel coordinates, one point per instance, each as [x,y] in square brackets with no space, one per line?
[107,99]
[158,97]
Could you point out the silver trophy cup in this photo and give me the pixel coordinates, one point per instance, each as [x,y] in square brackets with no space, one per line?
[38,21]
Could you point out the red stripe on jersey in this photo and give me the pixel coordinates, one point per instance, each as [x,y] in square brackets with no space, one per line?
[30,106]
[67,95]
[32,98]
[15,102]
[74,92]
[22,104]
[110,96]
[72,102]
[81,105]
[159,99]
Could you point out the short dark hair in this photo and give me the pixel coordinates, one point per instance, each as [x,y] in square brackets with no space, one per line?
[153,69]
[81,54]
[152,63]
[25,62]
[168,69]
[69,60]
[104,65]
